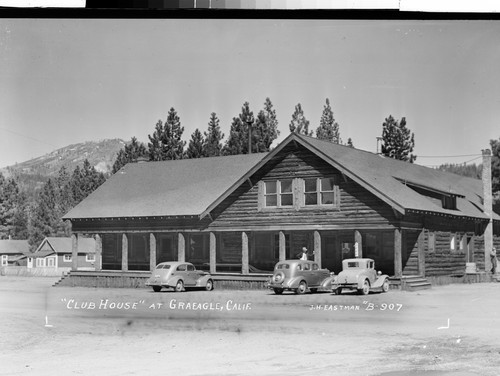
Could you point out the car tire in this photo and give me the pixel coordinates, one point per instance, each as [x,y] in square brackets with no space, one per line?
[302,288]
[365,290]
[179,286]
[338,291]
[210,285]
[156,288]
[278,291]
[385,286]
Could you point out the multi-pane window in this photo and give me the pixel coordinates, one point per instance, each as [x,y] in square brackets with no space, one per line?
[278,193]
[67,258]
[319,191]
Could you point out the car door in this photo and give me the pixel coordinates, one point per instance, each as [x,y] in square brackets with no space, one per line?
[191,275]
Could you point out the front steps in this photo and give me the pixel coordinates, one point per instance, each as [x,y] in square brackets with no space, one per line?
[414,283]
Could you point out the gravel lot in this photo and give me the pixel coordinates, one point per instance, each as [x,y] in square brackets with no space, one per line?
[447,330]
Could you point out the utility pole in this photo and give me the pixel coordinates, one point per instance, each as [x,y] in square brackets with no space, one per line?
[250,120]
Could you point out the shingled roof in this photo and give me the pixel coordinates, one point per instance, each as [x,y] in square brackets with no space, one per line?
[193,187]
[64,245]
[170,188]
[9,246]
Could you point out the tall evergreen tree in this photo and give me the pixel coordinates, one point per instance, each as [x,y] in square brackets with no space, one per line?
[166,142]
[397,140]
[195,147]
[328,128]
[265,129]
[156,145]
[131,152]
[299,123]
[212,146]
[237,142]
[13,210]
[44,218]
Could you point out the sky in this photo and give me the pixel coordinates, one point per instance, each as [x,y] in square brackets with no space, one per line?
[65,81]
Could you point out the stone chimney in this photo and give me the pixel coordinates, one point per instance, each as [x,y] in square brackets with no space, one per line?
[487,208]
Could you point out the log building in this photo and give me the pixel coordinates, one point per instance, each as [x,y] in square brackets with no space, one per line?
[244,213]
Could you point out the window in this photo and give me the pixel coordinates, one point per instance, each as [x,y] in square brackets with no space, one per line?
[278,193]
[432,242]
[4,260]
[182,268]
[320,191]
[307,266]
[67,258]
[40,262]
[51,261]
[315,267]
[190,268]
[89,257]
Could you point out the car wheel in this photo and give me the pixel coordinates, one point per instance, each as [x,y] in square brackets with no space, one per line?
[302,288]
[385,286]
[156,288]
[210,285]
[366,288]
[179,286]
[338,291]
[278,291]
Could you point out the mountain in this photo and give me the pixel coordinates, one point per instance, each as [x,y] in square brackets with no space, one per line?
[34,173]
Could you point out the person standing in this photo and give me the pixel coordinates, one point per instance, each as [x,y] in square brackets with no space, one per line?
[493,256]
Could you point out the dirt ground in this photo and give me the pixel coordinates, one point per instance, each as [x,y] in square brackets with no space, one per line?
[447,330]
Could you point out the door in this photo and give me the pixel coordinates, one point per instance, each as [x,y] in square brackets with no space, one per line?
[329,254]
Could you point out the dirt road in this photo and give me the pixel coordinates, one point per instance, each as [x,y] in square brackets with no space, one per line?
[448,330]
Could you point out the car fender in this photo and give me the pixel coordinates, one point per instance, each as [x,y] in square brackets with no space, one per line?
[293,283]
[380,281]
[202,281]
[361,280]
[172,281]
[327,282]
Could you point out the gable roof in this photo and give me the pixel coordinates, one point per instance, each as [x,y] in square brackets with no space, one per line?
[11,247]
[194,187]
[64,245]
[183,187]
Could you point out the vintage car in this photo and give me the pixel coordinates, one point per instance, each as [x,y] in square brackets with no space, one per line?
[179,276]
[299,276]
[360,274]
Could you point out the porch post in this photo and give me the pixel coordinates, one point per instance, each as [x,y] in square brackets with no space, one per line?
[359,239]
[244,253]
[398,262]
[421,253]
[181,247]
[124,252]
[98,252]
[213,255]
[74,251]
[282,246]
[152,251]
[317,248]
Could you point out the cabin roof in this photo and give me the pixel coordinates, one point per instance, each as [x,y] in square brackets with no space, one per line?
[194,187]
[183,187]
[64,245]
[12,247]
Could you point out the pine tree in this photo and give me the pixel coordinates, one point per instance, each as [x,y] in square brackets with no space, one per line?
[237,143]
[213,138]
[13,213]
[44,218]
[195,147]
[265,128]
[328,128]
[155,144]
[397,140]
[299,123]
[130,153]
[166,142]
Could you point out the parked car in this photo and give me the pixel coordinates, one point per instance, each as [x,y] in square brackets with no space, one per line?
[360,274]
[299,276]
[179,276]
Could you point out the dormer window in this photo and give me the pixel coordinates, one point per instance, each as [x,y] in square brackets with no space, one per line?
[278,193]
[449,202]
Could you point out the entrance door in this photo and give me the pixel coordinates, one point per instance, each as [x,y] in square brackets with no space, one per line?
[329,254]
